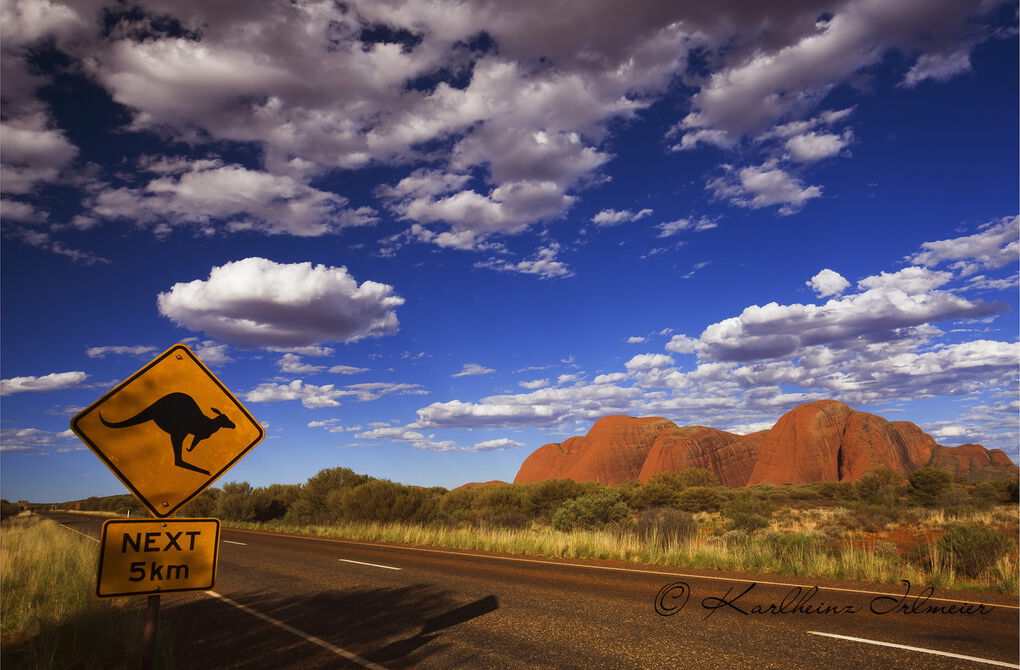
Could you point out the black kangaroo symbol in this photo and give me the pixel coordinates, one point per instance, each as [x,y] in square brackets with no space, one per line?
[178,415]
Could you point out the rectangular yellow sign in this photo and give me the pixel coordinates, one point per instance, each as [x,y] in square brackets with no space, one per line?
[148,557]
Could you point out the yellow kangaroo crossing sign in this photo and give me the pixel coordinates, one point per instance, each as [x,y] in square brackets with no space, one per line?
[145,557]
[168,431]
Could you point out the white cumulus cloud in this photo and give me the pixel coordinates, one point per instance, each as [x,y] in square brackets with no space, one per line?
[258,302]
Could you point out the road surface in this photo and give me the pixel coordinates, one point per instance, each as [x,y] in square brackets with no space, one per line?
[289,602]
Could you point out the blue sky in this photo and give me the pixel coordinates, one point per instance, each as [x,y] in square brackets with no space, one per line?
[422,238]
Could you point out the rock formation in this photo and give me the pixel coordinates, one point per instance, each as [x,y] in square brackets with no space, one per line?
[819,441]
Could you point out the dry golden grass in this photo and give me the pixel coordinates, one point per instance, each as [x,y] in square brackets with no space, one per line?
[51,617]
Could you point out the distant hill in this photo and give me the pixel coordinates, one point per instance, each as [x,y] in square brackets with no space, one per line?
[819,441]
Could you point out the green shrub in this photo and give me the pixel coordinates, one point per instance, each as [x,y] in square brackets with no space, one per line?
[699,499]
[666,526]
[927,485]
[653,494]
[235,503]
[747,513]
[592,511]
[970,549]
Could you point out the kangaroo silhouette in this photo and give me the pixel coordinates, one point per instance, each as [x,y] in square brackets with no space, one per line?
[178,415]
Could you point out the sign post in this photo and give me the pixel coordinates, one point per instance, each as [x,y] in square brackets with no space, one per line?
[167,432]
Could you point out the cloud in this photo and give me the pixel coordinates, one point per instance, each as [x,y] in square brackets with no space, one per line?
[429,442]
[827,282]
[471,369]
[210,352]
[636,339]
[794,71]
[133,350]
[211,196]
[544,407]
[995,245]
[36,441]
[375,390]
[763,185]
[34,153]
[671,228]
[293,364]
[497,444]
[534,384]
[544,264]
[612,217]
[311,396]
[811,147]
[938,66]
[890,302]
[56,381]
[346,369]
[697,266]
[257,302]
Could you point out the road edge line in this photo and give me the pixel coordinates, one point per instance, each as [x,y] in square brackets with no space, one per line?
[923,650]
[339,651]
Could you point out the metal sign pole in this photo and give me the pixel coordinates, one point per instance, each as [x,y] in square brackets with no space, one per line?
[149,632]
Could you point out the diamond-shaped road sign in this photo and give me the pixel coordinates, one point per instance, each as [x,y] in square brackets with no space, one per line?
[168,431]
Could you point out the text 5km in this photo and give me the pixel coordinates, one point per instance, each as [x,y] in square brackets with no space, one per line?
[155,572]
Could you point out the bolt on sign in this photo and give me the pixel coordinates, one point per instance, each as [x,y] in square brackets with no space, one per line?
[168,431]
[144,557]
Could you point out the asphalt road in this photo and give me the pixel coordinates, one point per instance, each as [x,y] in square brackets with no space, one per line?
[288,602]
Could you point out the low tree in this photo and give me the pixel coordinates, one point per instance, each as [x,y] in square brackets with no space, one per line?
[235,503]
[928,484]
[592,511]
[699,499]
[544,498]
[879,486]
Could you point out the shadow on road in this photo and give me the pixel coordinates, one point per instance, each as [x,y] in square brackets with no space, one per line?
[395,627]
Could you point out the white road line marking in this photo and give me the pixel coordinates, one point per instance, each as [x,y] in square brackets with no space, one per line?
[94,539]
[374,565]
[597,567]
[920,649]
[349,655]
[243,544]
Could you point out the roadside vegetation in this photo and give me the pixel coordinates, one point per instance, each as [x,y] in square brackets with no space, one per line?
[51,617]
[930,529]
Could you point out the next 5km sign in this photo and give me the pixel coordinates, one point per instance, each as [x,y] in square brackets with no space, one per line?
[147,557]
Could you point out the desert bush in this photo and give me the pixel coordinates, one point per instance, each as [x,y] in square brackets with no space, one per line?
[928,484]
[683,479]
[970,549]
[272,502]
[382,500]
[699,499]
[310,505]
[8,509]
[458,502]
[879,486]
[591,511]
[652,495]
[235,503]
[666,526]
[746,513]
[202,506]
[839,492]
[544,498]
